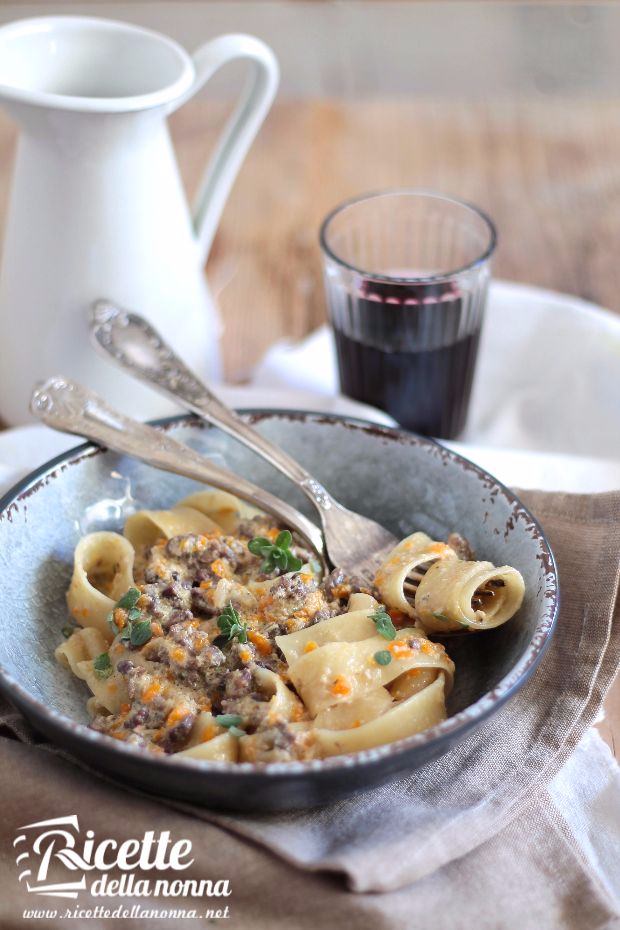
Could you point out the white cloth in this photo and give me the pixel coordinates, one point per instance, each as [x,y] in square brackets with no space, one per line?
[545,408]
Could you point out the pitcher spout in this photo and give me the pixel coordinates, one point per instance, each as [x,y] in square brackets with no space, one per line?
[92,65]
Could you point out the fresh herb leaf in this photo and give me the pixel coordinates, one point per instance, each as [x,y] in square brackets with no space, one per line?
[136,631]
[102,666]
[235,731]
[260,546]
[230,625]
[383,657]
[229,720]
[68,630]
[276,555]
[129,599]
[284,540]
[383,623]
[139,632]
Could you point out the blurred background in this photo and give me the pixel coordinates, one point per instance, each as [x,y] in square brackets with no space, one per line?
[514,106]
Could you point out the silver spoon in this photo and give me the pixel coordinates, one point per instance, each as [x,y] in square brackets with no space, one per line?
[67,406]
[353,542]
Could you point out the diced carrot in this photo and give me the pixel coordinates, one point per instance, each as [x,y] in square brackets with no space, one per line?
[220,568]
[340,686]
[125,708]
[310,646]
[176,714]
[120,617]
[261,642]
[151,692]
[399,649]
[178,654]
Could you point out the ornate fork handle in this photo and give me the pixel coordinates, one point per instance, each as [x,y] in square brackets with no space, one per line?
[137,347]
[67,406]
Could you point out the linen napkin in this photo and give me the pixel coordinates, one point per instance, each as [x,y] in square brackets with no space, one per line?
[546,362]
[479,838]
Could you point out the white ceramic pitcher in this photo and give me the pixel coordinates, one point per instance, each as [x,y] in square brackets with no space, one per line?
[97,207]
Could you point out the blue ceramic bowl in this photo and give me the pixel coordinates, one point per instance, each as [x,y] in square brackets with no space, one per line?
[406,482]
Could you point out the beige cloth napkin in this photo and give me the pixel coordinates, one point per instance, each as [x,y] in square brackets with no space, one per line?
[471,840]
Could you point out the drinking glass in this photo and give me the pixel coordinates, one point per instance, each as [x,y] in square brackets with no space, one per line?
[406,276]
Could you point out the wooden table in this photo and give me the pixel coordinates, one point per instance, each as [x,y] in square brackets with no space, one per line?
[548,171]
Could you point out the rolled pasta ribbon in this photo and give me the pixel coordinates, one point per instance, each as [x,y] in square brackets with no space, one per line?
[224,508]
[458,595]
[349,628]
[354,713]
[283,704]
[102,573]
[108,692]
[416,679]
[409,560]
[360,601]
[82,645]
[338,672]
[419,712]
[210,741]
[146,527]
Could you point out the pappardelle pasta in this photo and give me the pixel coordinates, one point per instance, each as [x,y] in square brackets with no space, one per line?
[209,632]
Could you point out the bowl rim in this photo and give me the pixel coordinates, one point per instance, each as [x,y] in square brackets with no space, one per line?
[439,736]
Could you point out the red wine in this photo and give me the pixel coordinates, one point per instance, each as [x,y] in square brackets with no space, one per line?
[409,349]
[425,390]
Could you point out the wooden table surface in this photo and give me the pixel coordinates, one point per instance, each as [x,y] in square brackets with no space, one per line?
[547,170]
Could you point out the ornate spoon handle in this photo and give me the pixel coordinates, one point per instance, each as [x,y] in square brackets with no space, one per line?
[67,406]
[131,341]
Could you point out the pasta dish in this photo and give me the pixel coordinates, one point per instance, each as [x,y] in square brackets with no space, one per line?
[208,631]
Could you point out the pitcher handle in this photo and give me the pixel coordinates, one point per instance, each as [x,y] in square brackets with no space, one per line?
[241,128]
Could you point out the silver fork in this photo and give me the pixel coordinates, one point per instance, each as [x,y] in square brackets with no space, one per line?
[354,543]
[67,406]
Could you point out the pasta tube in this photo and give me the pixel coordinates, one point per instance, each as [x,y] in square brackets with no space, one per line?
[144,528]
[409,559]
[102,573]
[457,595]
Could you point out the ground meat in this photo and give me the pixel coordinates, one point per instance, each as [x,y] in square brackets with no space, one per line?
[137,719]
[278,743]
[125,666]
[157,651]
[176,616]
[292,587]
[178,735]
[238,684]
[461,546]
[202,604]
[133,677]
[334,580]
[324,614]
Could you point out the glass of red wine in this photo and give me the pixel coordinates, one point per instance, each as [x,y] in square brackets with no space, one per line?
[406,275]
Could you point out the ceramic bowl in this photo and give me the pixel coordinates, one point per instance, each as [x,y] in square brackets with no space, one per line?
[406,482]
